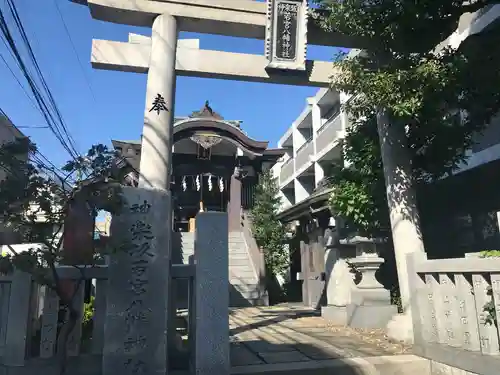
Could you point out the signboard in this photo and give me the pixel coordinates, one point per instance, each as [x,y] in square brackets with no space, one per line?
[286,34]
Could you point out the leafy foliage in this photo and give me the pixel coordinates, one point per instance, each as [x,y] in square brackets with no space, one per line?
[489,308]
[359,190]
[490,254]
[268,231]
[402,25]
[443,99]
[36,201]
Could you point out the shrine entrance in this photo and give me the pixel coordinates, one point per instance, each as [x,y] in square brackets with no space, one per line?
[199,190]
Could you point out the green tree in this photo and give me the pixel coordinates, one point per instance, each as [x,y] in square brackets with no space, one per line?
[359,189]
[268,231]
[442,98]
[35,204]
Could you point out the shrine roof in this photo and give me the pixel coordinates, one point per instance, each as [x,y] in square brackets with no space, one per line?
[206,121]
[317,201]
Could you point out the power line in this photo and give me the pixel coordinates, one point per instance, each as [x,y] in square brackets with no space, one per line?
[19,82]
[49,111]
[85,77]
[19,24]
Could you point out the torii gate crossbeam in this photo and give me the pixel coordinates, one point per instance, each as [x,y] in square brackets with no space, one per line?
[239,18]
[195,62]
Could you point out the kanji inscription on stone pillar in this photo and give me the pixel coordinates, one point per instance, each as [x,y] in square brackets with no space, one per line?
[286,34]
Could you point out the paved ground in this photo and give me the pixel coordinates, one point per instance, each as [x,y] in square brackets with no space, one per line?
[286,334]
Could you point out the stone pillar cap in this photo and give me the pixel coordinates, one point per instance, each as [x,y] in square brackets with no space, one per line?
[357,239]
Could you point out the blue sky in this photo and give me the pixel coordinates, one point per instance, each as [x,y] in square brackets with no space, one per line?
[98,106]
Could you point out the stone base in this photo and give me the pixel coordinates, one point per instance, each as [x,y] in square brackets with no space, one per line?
[400,328]
[379,296]
[371,316]
[337,315]
[359,316]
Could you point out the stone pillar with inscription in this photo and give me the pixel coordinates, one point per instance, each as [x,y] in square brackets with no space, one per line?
[156,150]
[135,340]
[154,177]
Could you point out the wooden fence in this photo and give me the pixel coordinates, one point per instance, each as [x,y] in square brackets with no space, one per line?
[455,310]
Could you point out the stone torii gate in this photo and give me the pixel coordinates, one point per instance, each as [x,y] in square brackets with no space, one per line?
[284,26]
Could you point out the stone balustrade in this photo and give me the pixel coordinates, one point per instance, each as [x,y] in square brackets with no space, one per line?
[455,309]
[28,307]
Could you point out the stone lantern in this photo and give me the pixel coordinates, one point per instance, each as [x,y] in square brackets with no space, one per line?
[370,301]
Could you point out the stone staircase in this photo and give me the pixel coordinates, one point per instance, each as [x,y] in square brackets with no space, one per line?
[244,283]
[244,289]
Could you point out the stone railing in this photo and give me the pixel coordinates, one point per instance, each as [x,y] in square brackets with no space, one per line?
[455,309]
[29,321]
[256,255]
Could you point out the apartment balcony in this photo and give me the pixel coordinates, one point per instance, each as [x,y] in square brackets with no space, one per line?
[303,154]
[328,133]
[286,171]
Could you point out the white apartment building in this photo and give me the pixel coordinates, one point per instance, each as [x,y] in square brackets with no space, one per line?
[313,139]
[311,143]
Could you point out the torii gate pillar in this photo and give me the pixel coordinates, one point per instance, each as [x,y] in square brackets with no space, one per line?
[156,151]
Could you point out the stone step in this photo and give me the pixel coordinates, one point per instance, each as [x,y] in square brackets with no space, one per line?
[245,288]
[237,249]
[251,295]
[240,283]
[243,302]
[242,279]
[239,262]
[238,257]
[241,271]
[241,267]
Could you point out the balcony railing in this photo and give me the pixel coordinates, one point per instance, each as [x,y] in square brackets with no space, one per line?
[286,170]
[328,132]
[303,153]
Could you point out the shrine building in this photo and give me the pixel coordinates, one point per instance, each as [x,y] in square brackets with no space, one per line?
[215,167]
